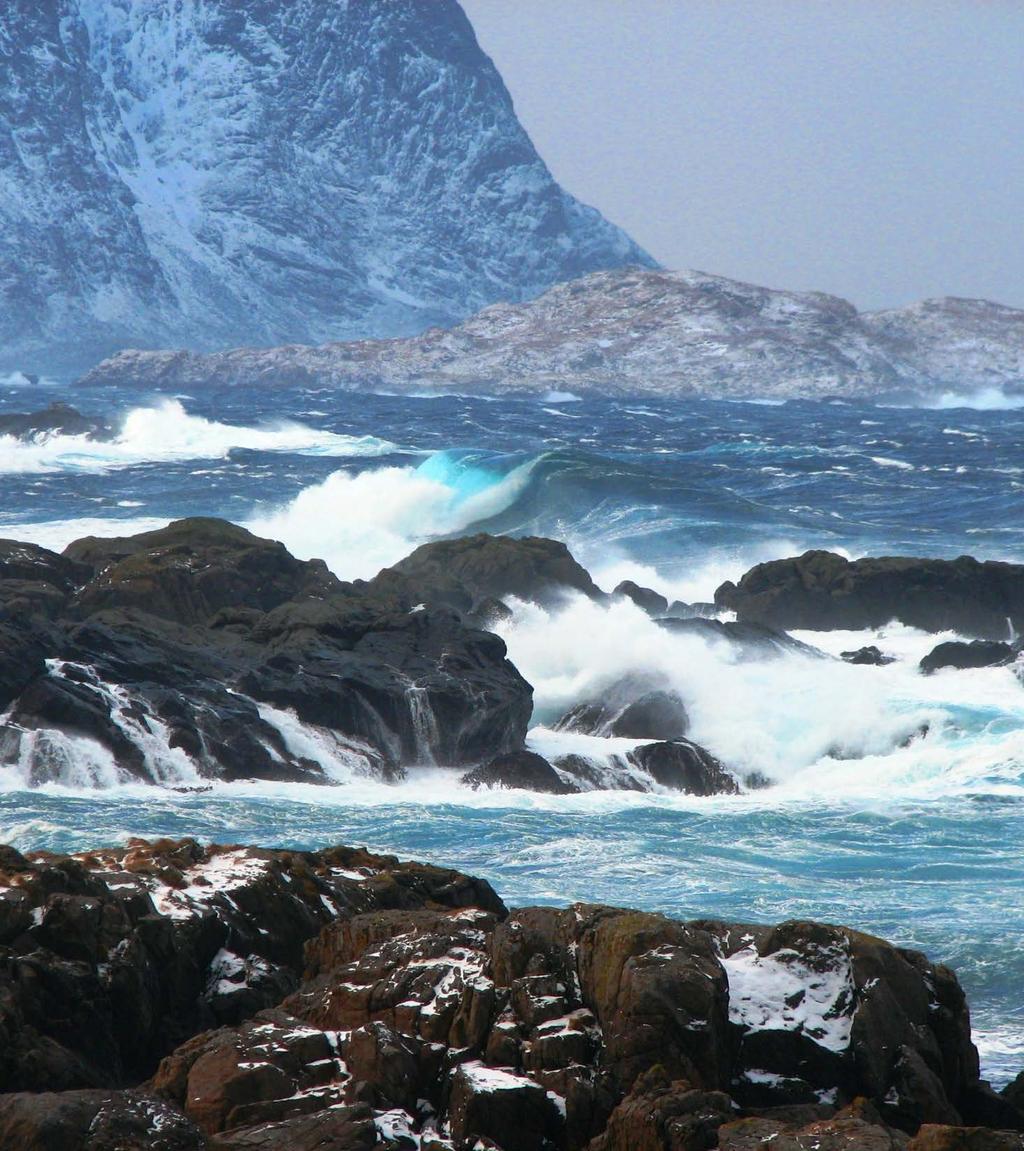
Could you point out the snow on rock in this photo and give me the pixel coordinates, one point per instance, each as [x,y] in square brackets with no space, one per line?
[783,991]
[641,332]
[220,874]
[264,173]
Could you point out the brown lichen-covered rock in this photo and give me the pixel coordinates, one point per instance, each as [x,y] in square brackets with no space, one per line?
[936,1137]
[514,1112]
[111,959]
[93,1121]
[426,1015]
[662,1115]
[855,1128]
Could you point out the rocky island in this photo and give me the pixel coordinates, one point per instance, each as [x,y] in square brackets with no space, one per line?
[635,332]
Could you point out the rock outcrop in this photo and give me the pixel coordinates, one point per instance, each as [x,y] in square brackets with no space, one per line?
[824,591]
[977,653]
[634,707]
[519,769]
[867,656]
[427,1015]
[58,419]
[471,572]
[194,652]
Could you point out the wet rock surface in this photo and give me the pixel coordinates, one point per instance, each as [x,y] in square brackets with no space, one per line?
[195,650]
[977,653]
[870,656]
[475,569]
[633,707]
[57,419]
[411,1009]
[824,591]
[522,769]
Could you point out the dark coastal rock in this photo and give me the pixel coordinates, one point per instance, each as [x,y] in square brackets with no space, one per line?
[751,640]
[824,591]
[684,766]
[519,769]
[483,567]
[35,584]
[94,1121]
[857,1127]
[31,563]
[109,960]
[938,1137]
[423,1014]
[57,419]
[633,708]
[489,613]
[884,1016]
[24,646]
[511,1111]
[192,569]
[977,653]
[1013,1093]
[870,656]
[173,651]
[661,1116]
[644,597]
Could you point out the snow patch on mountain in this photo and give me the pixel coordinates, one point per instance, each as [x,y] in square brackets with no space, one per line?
[207,174]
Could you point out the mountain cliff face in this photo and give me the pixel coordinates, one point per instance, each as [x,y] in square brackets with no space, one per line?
[635,332]
[208,174]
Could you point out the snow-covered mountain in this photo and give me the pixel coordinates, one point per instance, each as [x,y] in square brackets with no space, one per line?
[641,332]
[206,173]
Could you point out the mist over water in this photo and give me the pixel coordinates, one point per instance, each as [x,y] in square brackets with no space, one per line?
[897,802]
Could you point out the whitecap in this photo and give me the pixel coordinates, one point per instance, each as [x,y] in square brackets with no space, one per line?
[361,522]
[167,432]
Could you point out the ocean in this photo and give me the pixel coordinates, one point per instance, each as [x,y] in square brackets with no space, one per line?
[867,823]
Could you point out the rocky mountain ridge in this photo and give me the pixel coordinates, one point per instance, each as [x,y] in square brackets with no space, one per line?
[638,332]
[216,174]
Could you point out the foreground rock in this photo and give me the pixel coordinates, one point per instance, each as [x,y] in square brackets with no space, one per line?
[198,651]
[824,591]
[111,958]
[427,1015]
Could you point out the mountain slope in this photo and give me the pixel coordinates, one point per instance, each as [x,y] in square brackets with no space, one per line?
[640,332]
[206,173]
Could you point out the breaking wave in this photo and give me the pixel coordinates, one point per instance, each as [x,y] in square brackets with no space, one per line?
[363,521]
[166,432]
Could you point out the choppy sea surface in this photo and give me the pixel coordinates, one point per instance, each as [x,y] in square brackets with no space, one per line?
[919,840]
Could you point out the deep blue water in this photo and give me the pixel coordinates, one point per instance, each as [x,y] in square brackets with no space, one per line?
[921,844]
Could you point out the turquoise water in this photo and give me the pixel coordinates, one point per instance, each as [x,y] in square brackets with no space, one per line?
[920,843]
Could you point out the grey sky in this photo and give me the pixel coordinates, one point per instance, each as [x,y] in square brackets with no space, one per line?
[874,150]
